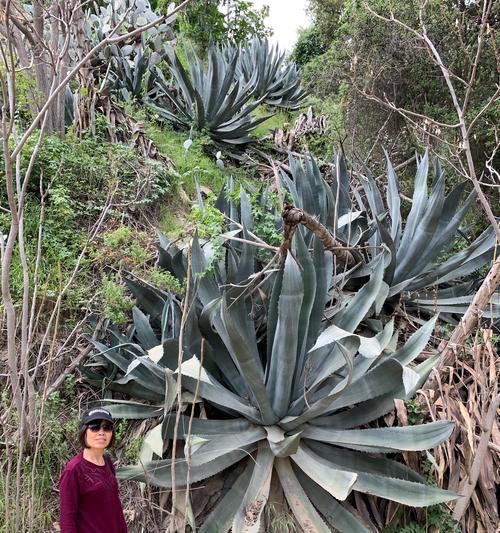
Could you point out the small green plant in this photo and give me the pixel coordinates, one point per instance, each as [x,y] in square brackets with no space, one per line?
[123,247]
[166,281]
[279,521]
[121,427]
[133,449]
[116,303]
[70,386]
[209,221]
[78,175]
[437,518]
[118,238]
[415,414]
[57,429]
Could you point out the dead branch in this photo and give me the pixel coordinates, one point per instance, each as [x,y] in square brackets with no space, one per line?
[292,217]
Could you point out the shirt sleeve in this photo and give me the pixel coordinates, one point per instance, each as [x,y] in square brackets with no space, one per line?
[68,495]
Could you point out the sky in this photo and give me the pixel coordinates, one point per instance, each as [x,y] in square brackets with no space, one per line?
[285,18]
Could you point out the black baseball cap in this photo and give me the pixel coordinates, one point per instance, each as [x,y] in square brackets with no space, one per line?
[97,413]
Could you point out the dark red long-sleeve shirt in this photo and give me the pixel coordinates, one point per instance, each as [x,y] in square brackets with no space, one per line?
[89,498]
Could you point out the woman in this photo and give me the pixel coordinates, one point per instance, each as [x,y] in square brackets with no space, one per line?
[88,489]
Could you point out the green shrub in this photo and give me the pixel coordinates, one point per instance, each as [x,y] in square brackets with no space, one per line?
[58,427]
[79,174]
[308,46]
[115,301]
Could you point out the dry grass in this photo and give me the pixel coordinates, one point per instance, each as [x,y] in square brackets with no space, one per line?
[464,396]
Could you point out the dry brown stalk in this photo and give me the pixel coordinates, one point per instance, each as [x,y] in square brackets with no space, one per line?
[469,463]
[292,217]
[482,449]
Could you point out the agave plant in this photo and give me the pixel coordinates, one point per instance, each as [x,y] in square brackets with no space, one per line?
[290,389]
[276,82]
[210,100]
[124,68]
[417,274]
[126,77]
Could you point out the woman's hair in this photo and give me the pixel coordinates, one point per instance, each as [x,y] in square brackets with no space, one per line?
[83,441]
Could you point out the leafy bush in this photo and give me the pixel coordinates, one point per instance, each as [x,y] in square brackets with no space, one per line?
[388,61]
[219,21]
[308,46]
[116,304]
[58,425]
[79,175]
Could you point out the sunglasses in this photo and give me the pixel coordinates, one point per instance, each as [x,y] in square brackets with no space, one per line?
[96,426]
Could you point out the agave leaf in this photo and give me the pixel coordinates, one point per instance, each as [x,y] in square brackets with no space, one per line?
[323,264]
[207,428]
[449,222]
[222,444]
[321,406]
[335,481]
[384,478]
[349,318]
[209,322]
[418,205]
[207,289]
[246,266]
[149,298]
[143,329]
[159,473]
[286,447]
[363,463]
[194,376]
[138,373]
[389,243]
[256,494]
[308,273]
[368,346]
[423,234]
[386,377]
[411,438]
[393,201]
[284,353]
[370,410]
[111,354]
[133,410]
[335,514]
[272,315]
[402,491]
[299,503]
[372,195]
[476,255]
[447,310]
[219,520]
[240,341]
[416,343]
[340,192]
[154,440]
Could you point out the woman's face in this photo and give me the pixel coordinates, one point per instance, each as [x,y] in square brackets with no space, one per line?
[99,433]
